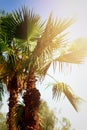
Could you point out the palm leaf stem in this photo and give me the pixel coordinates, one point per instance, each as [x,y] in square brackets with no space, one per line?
[52,77]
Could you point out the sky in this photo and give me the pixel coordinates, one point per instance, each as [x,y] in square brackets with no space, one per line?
[77,77]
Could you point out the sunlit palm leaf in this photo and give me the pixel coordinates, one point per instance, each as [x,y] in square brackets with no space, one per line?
[59,26]
[53,29]
[42,67]
[59,88]
[48,55]
[74,55]
[74,99]
[44,40]
[43,70]
[79,44]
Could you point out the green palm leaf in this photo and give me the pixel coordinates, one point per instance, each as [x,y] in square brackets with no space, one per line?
[7,23]
[1,90]
[27,24]
[23,24]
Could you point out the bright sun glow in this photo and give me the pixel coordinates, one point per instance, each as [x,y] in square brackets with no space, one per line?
[71,9]
[77,78]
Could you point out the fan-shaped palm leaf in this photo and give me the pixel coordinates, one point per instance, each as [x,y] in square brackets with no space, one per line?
[23,24]
[7,28]
[74,55]
[50,36]
[27,24]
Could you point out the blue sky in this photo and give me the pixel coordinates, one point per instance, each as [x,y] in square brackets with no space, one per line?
[39,5]
[9,5]
[43,8]
[60,8]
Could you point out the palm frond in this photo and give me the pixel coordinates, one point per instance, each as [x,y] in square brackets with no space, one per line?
[11,61]
[51,34]
[44,40]
[42,67]
[75,57]
[60,87]
[3,46]
[8,65]
[23,24]
[6,25]
[61,25]
[28,26]
[75,54]
[74,99]
[1,90]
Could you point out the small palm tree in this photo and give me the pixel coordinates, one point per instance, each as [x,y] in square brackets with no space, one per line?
[33,46]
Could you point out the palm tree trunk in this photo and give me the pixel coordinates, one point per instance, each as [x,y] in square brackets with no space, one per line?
[13,99]
[32,101]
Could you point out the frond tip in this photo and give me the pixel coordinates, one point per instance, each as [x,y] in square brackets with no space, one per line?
[60,88]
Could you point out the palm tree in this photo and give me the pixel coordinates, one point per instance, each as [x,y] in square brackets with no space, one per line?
[33,46]
[10,65]
[16,51]
[50,48]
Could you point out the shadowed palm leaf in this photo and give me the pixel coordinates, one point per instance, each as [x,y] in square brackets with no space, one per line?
[28,24]
[23,24]
[1,90]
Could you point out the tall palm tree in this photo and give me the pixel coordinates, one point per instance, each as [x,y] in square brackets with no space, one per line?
[16,50]
[50,48]
[33,47]
[10,66]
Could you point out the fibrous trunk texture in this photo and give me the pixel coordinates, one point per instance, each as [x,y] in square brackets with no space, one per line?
[13,99]
[30,119]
